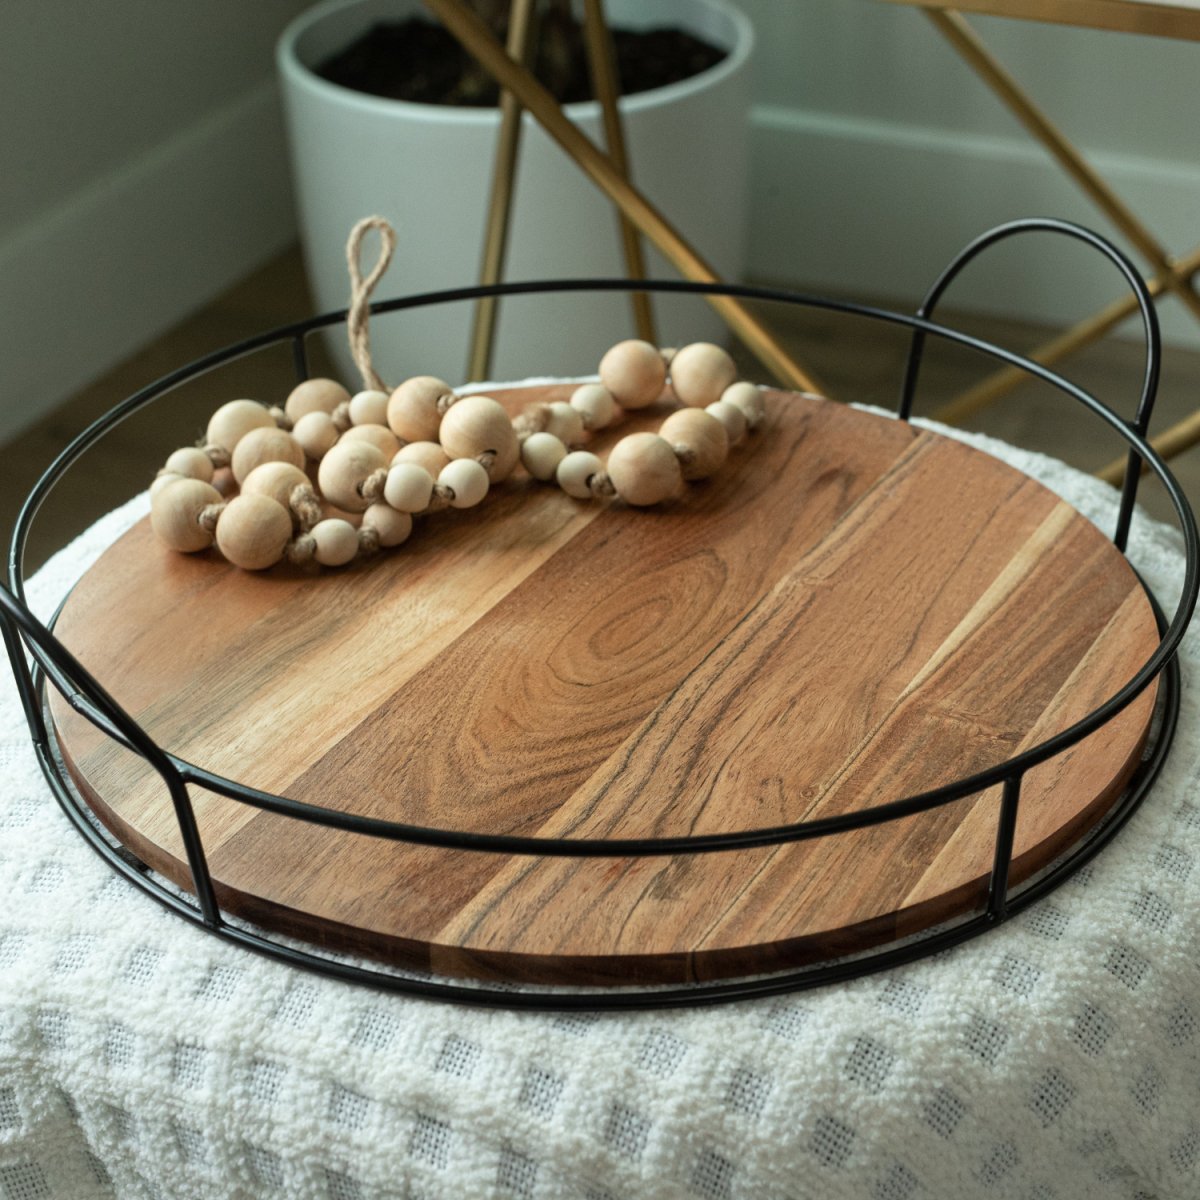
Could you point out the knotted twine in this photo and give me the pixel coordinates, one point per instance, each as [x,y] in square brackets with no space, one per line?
[360,295]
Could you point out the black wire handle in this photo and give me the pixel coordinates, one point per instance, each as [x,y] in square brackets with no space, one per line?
[1141,421]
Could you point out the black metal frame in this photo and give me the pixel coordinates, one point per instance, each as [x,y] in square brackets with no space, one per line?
[53,663]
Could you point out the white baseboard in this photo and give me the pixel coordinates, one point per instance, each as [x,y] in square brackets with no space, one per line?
[876,209]
[96,277]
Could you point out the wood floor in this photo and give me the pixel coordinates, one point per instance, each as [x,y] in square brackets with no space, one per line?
[855,362]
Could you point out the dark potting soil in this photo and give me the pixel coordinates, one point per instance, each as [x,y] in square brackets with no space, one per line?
[421,62]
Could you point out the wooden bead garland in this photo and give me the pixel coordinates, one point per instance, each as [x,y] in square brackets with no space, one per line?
[576,472]
[176,511]
[644,470]
[369,408]
[457,449]
[429,455]
[733,417]
[266,445]
[415,409]
[315,396]
[231,422]
[316,433]
[388,525]
[382,458]
[478,427]
[278,480]
[634,373]
[700,374]
[335,542]
[541,453]
[380,436]
[253,531]
[409,487]
[191,462]
[699,440]
[344,472]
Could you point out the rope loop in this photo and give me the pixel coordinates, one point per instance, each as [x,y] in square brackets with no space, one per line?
[360,295]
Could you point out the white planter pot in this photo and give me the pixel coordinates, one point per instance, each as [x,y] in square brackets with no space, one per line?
[427,169]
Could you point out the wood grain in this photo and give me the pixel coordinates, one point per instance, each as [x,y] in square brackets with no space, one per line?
[852,611]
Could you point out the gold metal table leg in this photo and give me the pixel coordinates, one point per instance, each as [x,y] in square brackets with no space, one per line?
[602,63]
[504,174]
[478,40]
[1169,443]
[964,39]
[1174,275]
[1083,334]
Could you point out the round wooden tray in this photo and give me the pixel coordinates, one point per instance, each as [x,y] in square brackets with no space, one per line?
[853,611]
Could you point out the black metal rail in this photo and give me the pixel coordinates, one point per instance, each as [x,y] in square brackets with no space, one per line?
[52,662]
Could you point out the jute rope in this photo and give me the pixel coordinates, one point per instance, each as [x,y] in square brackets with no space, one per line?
[360,295]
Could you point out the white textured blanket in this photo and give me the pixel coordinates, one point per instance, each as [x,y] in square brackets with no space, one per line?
[1055,1058]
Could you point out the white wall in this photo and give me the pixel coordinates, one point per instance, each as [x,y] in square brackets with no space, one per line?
[144,171]
[877,154]
[145,166]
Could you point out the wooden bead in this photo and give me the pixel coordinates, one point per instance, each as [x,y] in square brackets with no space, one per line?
[425,454]
[344,470]
[390,526]
[316,433]
[595,404]
[408,488]
[380,436]
[749,399]
[337,542]
[565,423]
[478,425]
[413,412]
[192,462]
[263,446]
[634,373]
[701,437]
[575,471]
[315,395]
[541,453]
[174,513]
[253,532]
[467,479]
[369,408]
[644,469]
[232,421]
[700,373]
[162,480]
[731,417]
[274,479]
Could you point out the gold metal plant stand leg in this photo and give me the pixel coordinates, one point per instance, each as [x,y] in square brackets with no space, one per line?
[1181,436]
[477,39]
[1083,334]
[602,61]
[508,143]
[499,218]
[1170,274]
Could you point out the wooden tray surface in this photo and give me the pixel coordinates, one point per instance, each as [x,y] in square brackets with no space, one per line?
[852,611]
